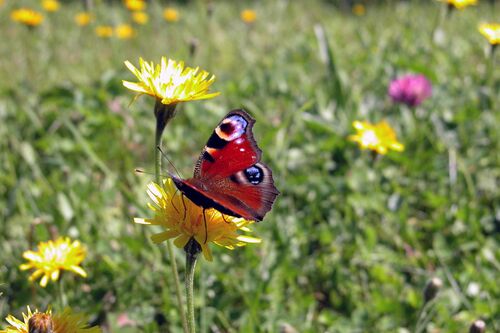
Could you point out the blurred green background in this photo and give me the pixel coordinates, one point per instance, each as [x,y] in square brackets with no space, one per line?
[351,241]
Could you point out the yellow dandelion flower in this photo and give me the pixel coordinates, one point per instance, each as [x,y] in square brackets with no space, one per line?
[140,17]
[170,81]
[135,5]
[459,4]
[83,18]
[248,16]
[54,256]
[65,322]
[27,17]
[379,137]
[124,31]
[51,5]
[104,31]
[491,31]
[358,9]
[171,15]
[183,220]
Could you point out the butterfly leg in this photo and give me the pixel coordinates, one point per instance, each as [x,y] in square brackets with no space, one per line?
[185,208]
[224,218]
[206,228]
[172,202]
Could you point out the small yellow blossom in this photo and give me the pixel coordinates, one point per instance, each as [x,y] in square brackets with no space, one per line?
[358,9]
[124,31]
[170,81]
[459,4]
[65,322]
[27,17]
[379,137]
[248,15]
[135,5]
[54,256]
[491,31]
[51,5]
[104,31]
[83,18]
[171,15]
[183,220]
[140,17]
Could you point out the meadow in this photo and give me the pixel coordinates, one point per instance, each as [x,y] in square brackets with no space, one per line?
[354,237]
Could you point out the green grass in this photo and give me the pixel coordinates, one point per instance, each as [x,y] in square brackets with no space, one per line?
[351,241]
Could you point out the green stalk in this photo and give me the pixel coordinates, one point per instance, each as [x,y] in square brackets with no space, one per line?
[63,300]
[491,77]
[192,249]
[164,113]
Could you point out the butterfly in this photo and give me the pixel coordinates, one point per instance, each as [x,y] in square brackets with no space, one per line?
[229,175]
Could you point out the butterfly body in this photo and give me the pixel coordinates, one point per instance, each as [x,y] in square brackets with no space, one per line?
[229,175]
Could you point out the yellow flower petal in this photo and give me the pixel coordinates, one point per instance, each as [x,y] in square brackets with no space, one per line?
[52,257]
[51,5]
[170,82]
[491,31]
[459,4]
[44,281]
[84,18]
[379,137]
[27,17]
[183,220]
[64,322]
[248,16]
[171,15]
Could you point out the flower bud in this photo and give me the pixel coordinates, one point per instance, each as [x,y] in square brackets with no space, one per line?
[40,323]
[478,326]
[432,288]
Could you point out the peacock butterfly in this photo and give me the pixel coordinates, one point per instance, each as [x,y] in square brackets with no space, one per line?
[229,175]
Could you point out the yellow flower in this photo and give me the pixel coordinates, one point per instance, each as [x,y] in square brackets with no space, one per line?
[379,137]
[459,4]
[135,5]
[27,17]
[170,81]
[83,18]
[124,31]
[183,220]
[65,322]
[51,5]
[54,256]
[248,15]
[140,17]
[104,31]
[491,31]
[171,15]
[358,9]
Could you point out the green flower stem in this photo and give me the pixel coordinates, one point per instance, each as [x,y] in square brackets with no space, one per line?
[491,71]
[164,113]
[63,300]
[192,249]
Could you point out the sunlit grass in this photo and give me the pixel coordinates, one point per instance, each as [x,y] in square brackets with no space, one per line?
[352,240]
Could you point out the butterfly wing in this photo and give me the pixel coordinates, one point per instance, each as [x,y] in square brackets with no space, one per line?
[230,148]
[228,175]
[249,193]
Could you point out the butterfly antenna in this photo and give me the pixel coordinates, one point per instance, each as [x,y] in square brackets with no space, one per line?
[169,161]
[139,170]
